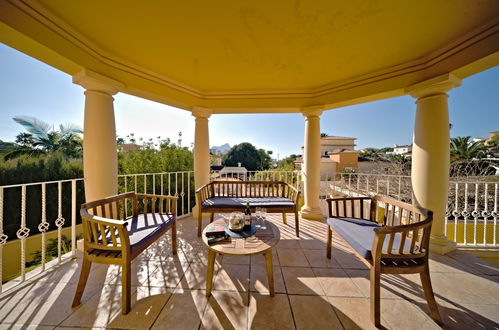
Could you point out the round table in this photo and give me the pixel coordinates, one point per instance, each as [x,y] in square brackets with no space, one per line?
[262,242]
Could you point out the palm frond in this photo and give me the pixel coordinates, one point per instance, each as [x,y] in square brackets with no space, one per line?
[35,126]
[69,129]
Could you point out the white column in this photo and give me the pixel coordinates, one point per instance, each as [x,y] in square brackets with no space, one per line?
[201,149]
[100,159]
[312,164]
[430,154]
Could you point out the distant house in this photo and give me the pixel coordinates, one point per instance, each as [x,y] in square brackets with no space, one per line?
[234,172]
[337,154]
[402,150]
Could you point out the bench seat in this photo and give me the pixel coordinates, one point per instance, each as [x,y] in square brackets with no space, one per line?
[359,234]
[240,202]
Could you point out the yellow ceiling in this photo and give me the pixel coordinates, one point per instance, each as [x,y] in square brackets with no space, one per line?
[207,52]
[270,45]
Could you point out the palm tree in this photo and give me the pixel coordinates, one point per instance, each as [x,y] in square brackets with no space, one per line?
[463,148]
[41,139]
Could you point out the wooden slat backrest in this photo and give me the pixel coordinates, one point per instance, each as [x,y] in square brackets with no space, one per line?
[352,207]
[410,224]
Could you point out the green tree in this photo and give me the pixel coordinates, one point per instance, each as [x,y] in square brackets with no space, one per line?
[324,135]
[265,159]
[246,154]
[371,154]
[287,164]
[463,148]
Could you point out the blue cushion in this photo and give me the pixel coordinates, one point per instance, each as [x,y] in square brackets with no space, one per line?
[240,202]
[360,234]
[144,227]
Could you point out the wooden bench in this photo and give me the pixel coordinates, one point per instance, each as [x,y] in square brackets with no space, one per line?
[230,196]
[111,236]
[389,236]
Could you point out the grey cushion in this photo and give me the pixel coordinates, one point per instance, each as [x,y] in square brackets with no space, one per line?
[360,234]
[240,202]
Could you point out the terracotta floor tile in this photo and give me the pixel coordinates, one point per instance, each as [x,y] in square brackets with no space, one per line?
[292,258]
[232,278]
[101,309]
[336,282]
[301,280]
[317,258]
[267,312]
[183,310]
[259,280]
[354,313]
[168,274]
[42,303]
[226,310]
[259,259]
[402,314]
[147,303]
[313,312]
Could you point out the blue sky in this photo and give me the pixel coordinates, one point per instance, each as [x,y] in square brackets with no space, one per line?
[29,87]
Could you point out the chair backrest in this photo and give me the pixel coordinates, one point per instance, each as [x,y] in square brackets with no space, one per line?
[352,207]
[248,189]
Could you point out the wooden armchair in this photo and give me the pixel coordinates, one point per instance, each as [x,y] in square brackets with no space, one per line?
[389,236]
[111,236]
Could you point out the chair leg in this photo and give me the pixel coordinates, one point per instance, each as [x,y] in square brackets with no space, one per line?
[212,216]
[284,219]
[375,296]
[430,297]
[329,242]
[297,225]
[126,288]
[200,222]
[174,237]
[85,271]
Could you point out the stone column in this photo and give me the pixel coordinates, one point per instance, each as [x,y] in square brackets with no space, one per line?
[100,159]
[201,149]
[430,154]
[312,164]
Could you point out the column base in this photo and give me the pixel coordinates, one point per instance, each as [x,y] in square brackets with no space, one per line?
[311,213]
[441,244]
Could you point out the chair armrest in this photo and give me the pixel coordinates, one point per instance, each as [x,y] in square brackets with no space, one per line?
[294,193]
[157,196]
[418,243]
[97,228]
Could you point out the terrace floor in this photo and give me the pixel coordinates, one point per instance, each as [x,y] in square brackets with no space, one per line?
[312,292]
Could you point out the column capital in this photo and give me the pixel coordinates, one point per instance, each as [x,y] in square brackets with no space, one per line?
[94,81]
[434,86]
[200,112]
[312,111]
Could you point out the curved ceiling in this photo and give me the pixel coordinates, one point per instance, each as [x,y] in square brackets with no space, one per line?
[241,54]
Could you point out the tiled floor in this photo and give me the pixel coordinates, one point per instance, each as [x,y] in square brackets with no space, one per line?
[312,292]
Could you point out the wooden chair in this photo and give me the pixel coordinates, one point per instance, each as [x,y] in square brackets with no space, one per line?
[110,236]
[389,236]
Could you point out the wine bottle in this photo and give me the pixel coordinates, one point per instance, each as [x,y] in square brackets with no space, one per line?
[247,217]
